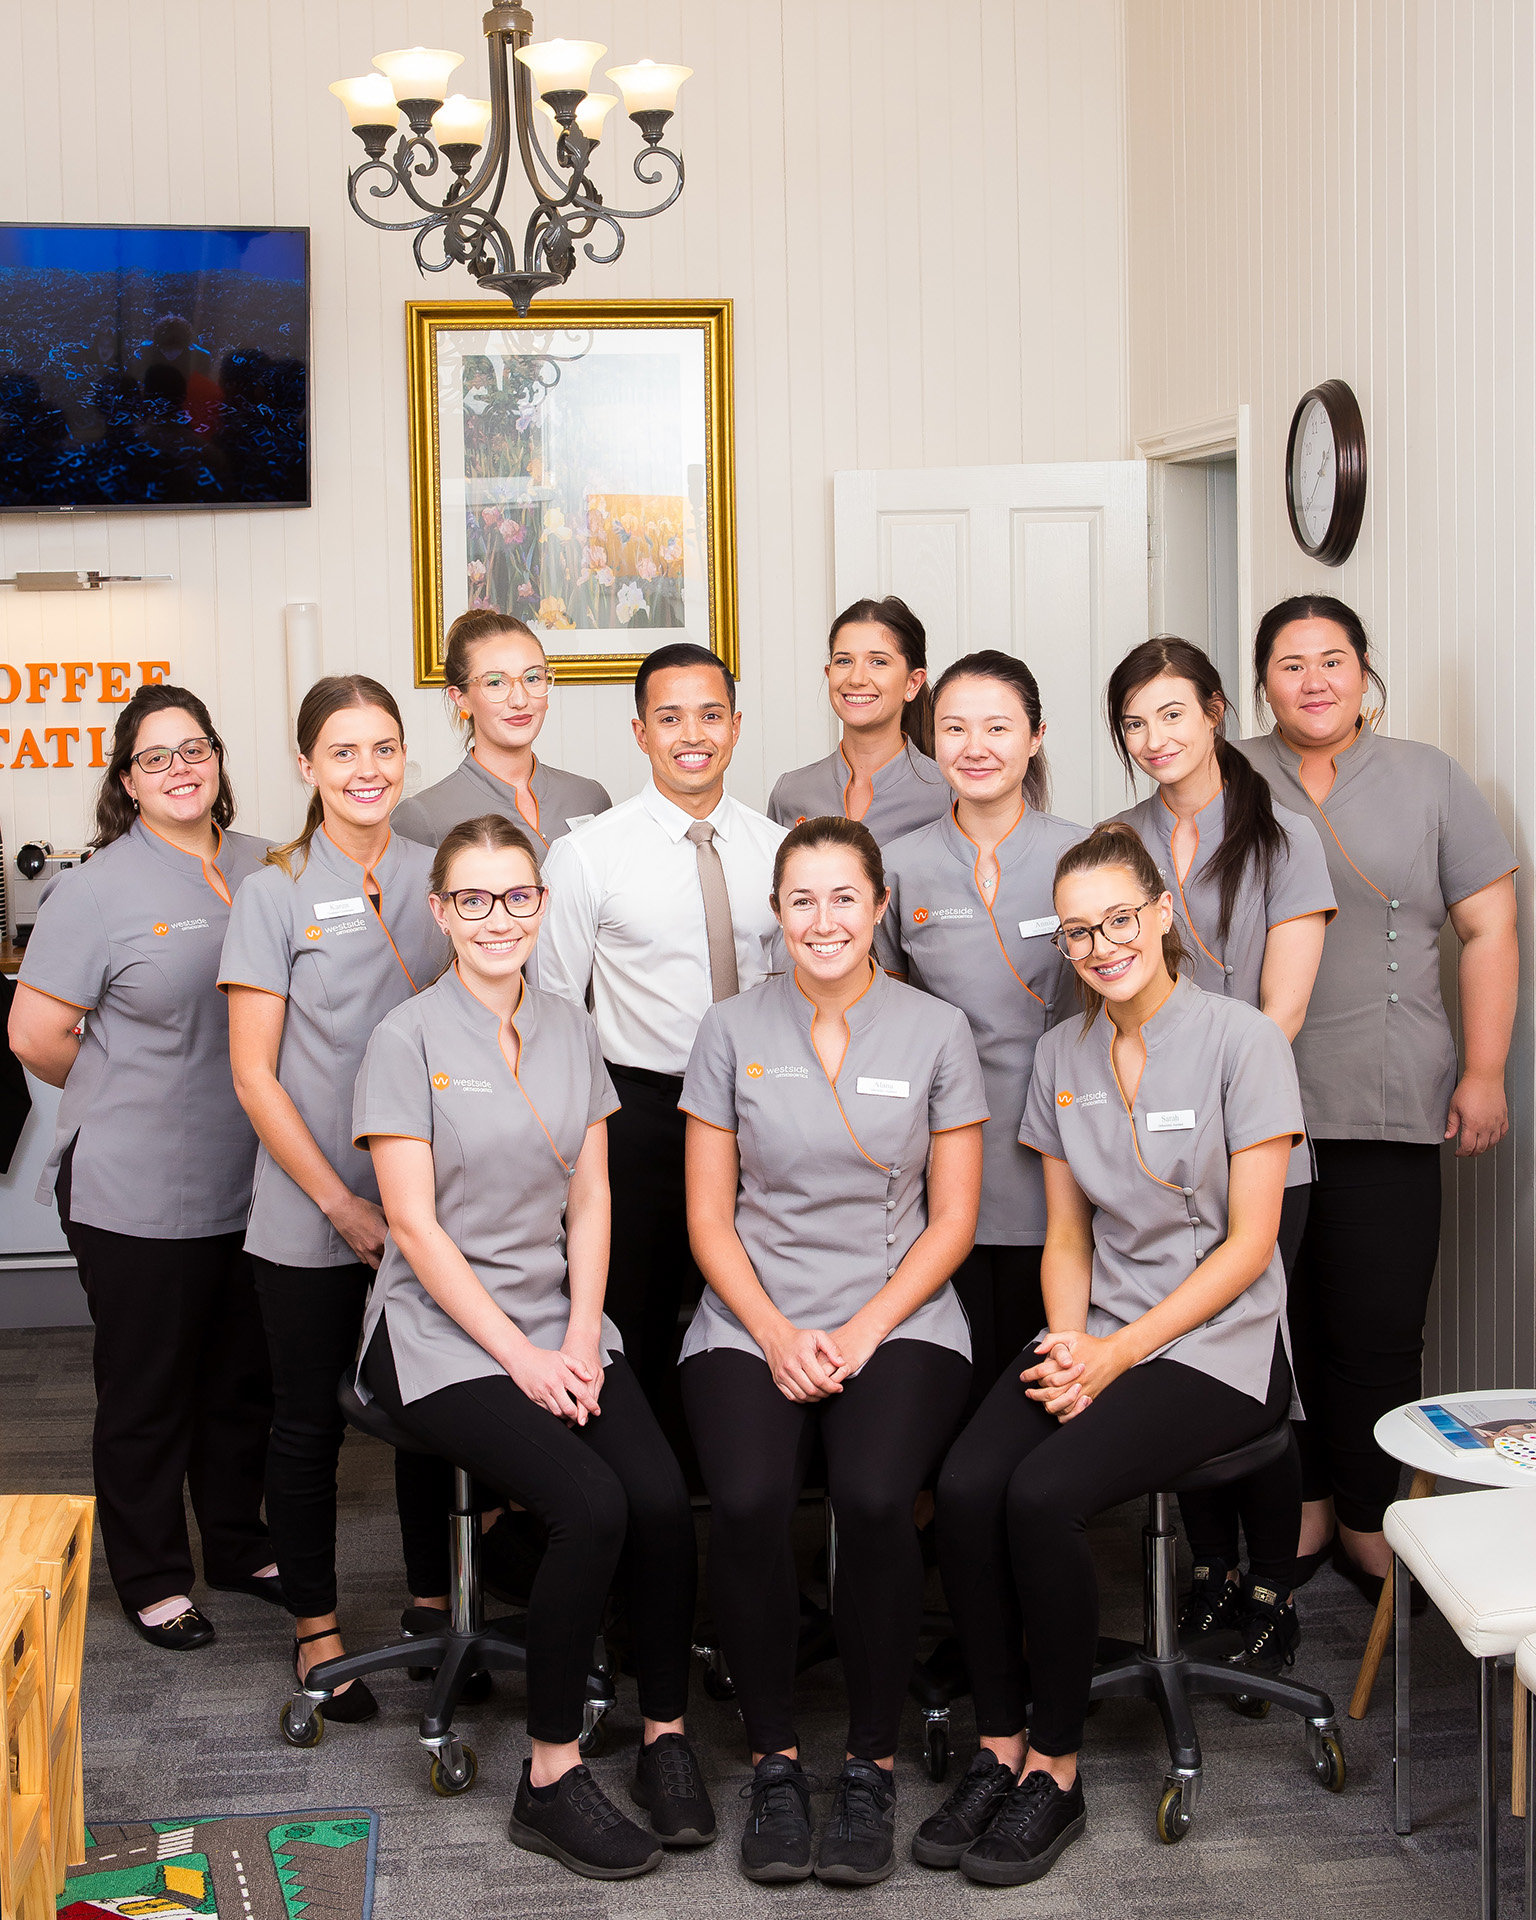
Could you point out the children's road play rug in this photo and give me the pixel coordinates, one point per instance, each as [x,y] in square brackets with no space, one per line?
[256,1866]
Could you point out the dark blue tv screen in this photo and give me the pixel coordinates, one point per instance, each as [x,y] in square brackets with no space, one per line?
[150,367]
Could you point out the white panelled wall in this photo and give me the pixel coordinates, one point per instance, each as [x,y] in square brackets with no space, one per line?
[1346,188]
[919,217]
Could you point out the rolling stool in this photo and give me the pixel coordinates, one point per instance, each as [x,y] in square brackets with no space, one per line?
[466,1642]
[1161,1670]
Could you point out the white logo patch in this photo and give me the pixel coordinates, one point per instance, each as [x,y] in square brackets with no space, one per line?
[886,1089]
[1031,929]
[1177,1120]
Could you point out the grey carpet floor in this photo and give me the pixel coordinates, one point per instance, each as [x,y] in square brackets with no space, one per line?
[197,1733]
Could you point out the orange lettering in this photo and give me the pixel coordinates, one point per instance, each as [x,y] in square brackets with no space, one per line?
[29,754]
[98,750]
[114,681]
[152,672]
[40,675]
[15,692]
[63,736]
[76,673]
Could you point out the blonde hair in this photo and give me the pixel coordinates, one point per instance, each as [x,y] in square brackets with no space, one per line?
[334,694]
[1115,844]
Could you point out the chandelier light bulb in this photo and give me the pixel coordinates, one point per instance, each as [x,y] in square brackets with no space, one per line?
[369,100]
[461,122]
[418,73]
[648,87]
[561,66]
[593,111]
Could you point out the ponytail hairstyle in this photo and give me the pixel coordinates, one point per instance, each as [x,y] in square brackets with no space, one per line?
[1012,673]
[334,694]
[1252,838]
[830,830]
[115,811]
[1315,606]
[904,627]
[1114,843]
[459,643]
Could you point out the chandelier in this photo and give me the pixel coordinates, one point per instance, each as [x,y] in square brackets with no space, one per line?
[477,138]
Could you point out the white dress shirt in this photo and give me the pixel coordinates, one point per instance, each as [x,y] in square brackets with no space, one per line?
[626,916]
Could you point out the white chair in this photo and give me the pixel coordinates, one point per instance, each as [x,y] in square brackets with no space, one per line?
[1475,1556]
[1525,1668]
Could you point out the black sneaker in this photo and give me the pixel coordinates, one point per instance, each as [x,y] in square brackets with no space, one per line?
[668,1785]
[1212,1602]
[857,1846]
[579,1826]
[966,1814]
[776,1841]
[1035,1825]
[1269,1627]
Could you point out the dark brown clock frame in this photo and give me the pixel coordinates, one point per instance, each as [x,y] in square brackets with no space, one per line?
[1343,530]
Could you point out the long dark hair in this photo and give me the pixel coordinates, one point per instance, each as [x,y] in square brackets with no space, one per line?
[115,811]
[333,694]
[1115,843]
[1251,835]
[904,627]
[1312,606]
[989,664]
[459,643]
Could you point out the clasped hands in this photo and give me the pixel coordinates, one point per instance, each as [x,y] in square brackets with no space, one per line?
[809,1363]
[1076,1369]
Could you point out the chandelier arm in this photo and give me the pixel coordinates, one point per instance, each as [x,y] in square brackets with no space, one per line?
[403,171]
[648,179]
[382,193]
[528,135]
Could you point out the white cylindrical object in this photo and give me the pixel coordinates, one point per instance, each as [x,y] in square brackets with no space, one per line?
[306,662]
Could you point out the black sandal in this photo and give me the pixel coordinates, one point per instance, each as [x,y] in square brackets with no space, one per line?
[342,1709]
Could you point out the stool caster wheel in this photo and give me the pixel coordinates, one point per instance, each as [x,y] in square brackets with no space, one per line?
[594,1735]
[718,1685]
[1328,1758]
[936,1745]
[305,1729]
[1173,1815]
[456,1774]
[1249,1706]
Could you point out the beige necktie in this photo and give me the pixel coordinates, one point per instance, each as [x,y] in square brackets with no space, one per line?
[717,912]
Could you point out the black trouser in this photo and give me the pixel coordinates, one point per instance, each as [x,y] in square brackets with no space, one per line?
[612,1497]
[182,1396]
[1014,1500]
[881,1436]
[1357,1303]
[999,1287]
[313,1318]
[1269,1501]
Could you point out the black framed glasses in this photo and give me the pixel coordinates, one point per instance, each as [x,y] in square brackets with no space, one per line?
[1119,928]
[475,903]
[156,759]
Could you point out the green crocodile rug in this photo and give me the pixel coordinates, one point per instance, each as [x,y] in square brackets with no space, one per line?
[252,1866]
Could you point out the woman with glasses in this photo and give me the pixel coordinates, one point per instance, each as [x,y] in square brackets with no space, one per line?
[497,683]
[331,934]
[486,1336]
[1165,1127]
[1252,898]
[882,772]
[152,1164]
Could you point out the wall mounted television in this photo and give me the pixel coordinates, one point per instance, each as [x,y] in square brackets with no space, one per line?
[153,367]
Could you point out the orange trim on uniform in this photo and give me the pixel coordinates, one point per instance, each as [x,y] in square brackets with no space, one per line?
[732,1131]
[1178,881]
[369,887]
[79,1006]
[852,776]
[1295,1139]
[848,1042]
[1328,913]
[534,822]
[1172,1186]
[1333,761]
[360,1140]
[251,987]
[981,895]
[512,1063]
[215,879]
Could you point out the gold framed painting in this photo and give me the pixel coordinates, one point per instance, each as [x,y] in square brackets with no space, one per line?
[576,469]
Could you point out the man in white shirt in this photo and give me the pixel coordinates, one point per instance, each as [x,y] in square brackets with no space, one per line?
[660,906]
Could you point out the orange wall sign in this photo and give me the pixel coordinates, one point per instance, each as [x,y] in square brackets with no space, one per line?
[109,682]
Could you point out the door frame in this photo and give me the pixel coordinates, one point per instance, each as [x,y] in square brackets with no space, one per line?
[1202,440]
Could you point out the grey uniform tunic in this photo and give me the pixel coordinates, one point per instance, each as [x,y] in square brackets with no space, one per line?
[1218,1078]
[163,1150]
[435,1070]
[560,799]
[1298,885]
[1407,835]
[998,965]
[833,1173]
[909,791]
[317,941]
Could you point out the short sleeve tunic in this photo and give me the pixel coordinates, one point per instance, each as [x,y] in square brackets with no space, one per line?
[560,799]
[908,790]
[1218,1079]
[1000,967]
[833,1173]
[163,1150]
[316,940]
[435,1070]
[1407,835]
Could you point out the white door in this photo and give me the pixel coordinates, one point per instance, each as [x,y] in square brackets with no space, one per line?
[1046,562]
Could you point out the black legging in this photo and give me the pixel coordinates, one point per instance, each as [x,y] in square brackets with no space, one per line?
[1014,1499]
[612,1497]
[999,1287]
[881,1436]
[313,1317]
[1358,1298]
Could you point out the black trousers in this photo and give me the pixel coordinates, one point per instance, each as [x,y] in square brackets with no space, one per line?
[314,1319]
[881,1435]
[1358,1298]
[1267,1505]
[1014,1499]
[183,1397]
[612,1497]
[999,1287]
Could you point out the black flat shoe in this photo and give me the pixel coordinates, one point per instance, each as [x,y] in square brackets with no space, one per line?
[1369,1585]
[1309,1563]
[260,1586]
[342,1709]
[188,1630]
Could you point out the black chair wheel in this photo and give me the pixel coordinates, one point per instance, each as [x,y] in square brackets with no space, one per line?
[717,1685]
[306,1732]
[594,1738]
[936,1749]
[1249,1705]
[1173,1817]
[1328,1762]
[449,1781]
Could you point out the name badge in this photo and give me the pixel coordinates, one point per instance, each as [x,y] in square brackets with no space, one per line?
[1179,1121]
[1031,928]
[887,1089]
[337,909]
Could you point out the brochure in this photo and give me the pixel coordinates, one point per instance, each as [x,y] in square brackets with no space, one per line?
[1504,1427]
